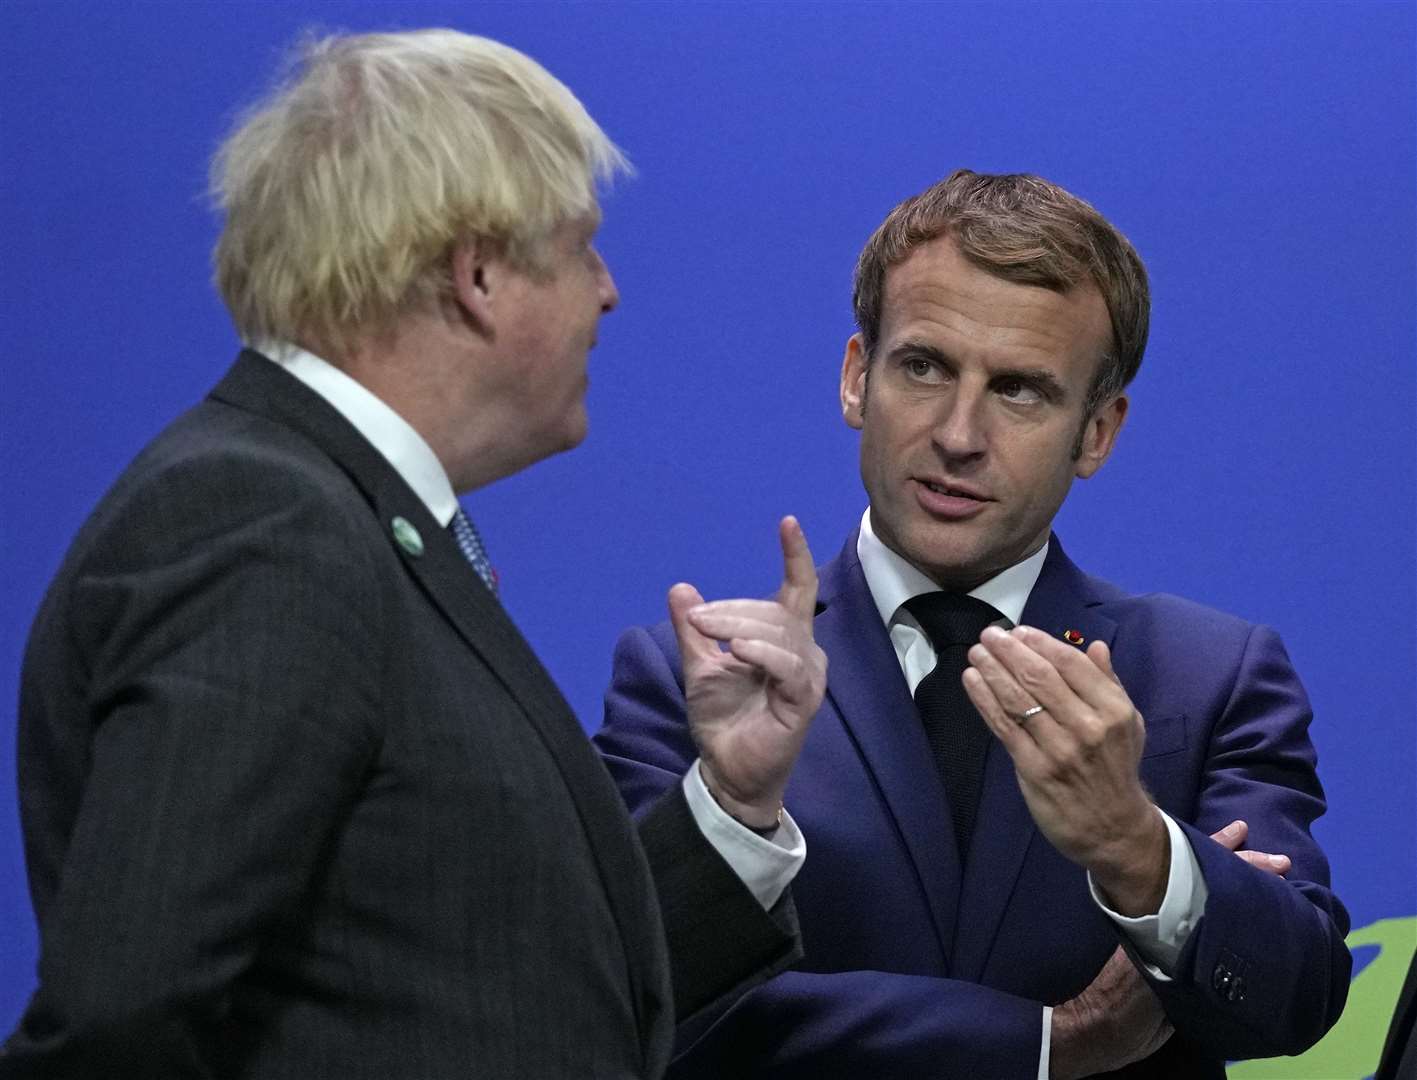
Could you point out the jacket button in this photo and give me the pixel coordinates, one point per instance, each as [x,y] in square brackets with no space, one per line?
[1237,989]
[1220,978]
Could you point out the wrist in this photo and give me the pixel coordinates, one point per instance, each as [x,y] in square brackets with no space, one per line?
[1133,876]
[762,816]
[1067,1051]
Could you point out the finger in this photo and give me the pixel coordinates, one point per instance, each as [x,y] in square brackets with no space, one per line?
[1015,738]
[1232,836]
[765,610]
[1000,660]
[1100,653]
[694,647]
[722,626]
[1278,865]
[789,671]
[799,574]
[1080,671]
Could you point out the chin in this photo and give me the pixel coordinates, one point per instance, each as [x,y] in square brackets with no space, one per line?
[951,565]
[577,431]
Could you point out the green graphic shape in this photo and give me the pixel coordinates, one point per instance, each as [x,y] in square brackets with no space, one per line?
[1350,1051]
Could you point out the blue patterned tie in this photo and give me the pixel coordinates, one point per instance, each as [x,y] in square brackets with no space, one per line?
[470,544]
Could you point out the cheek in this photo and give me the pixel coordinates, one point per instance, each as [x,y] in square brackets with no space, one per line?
[1050,487]
[875,452]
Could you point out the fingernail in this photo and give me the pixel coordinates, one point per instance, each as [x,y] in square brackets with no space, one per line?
[1278,860]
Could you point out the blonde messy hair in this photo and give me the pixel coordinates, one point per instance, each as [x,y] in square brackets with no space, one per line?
[346,188]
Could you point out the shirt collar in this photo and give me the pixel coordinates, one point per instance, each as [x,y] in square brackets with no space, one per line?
[387,431]
[892,580]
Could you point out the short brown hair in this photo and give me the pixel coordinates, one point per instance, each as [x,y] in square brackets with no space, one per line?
[1023,229]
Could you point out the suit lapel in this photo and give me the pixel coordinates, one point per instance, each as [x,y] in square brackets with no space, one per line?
[259,386]
[869,692]
[455,590]
[1062,600]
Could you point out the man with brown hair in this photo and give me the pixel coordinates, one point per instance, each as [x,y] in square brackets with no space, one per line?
[1025,786]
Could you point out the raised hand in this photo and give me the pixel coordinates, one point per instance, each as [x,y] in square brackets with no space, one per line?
[749,704]
[1077,760]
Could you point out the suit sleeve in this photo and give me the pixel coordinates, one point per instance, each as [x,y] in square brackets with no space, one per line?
[805,1025]
[721,941]
[220,617]
[1265,971]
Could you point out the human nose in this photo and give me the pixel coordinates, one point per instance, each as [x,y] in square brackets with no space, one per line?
[609,294]
[959,431]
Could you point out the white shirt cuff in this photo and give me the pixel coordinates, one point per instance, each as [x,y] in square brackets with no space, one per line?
[766,865]
[1043,1059]
[1160,938]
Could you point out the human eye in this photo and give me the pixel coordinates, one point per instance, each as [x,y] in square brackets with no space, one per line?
[1018,391]
[920,368]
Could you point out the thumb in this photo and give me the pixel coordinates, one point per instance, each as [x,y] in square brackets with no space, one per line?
[694,647]
[1101,655]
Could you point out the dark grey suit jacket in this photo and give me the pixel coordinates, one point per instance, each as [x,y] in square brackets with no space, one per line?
[299,802]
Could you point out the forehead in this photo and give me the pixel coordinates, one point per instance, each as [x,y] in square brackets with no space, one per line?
[578,226]
[939,297]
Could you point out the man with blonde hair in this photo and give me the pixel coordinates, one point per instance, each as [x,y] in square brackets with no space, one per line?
[298,799]
[1025,785]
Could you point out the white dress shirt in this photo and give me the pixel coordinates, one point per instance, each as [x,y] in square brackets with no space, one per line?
[766,865]
[892,581]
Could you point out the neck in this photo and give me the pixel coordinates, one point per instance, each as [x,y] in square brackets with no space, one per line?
[420,370]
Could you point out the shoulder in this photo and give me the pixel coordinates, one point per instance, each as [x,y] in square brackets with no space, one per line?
[1161,612]
[1179,642]
[1176,614]
[225,518]
[219,474]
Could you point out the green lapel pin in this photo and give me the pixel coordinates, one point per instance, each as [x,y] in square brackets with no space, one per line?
[407,536]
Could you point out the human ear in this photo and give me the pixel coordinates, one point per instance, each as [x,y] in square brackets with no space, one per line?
[1099,435]
[473,275]
[853,383]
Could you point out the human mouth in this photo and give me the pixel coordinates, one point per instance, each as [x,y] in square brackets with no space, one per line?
[949,499]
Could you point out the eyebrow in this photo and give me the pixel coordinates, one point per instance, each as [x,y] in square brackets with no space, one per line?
[1042,379]
[919,348]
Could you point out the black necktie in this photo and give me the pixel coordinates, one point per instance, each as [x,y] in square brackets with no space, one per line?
[953,726]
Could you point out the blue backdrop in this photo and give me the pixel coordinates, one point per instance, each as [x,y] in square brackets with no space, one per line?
[1261,158]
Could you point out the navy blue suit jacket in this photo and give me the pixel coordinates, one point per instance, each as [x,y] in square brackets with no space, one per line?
[914,968]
